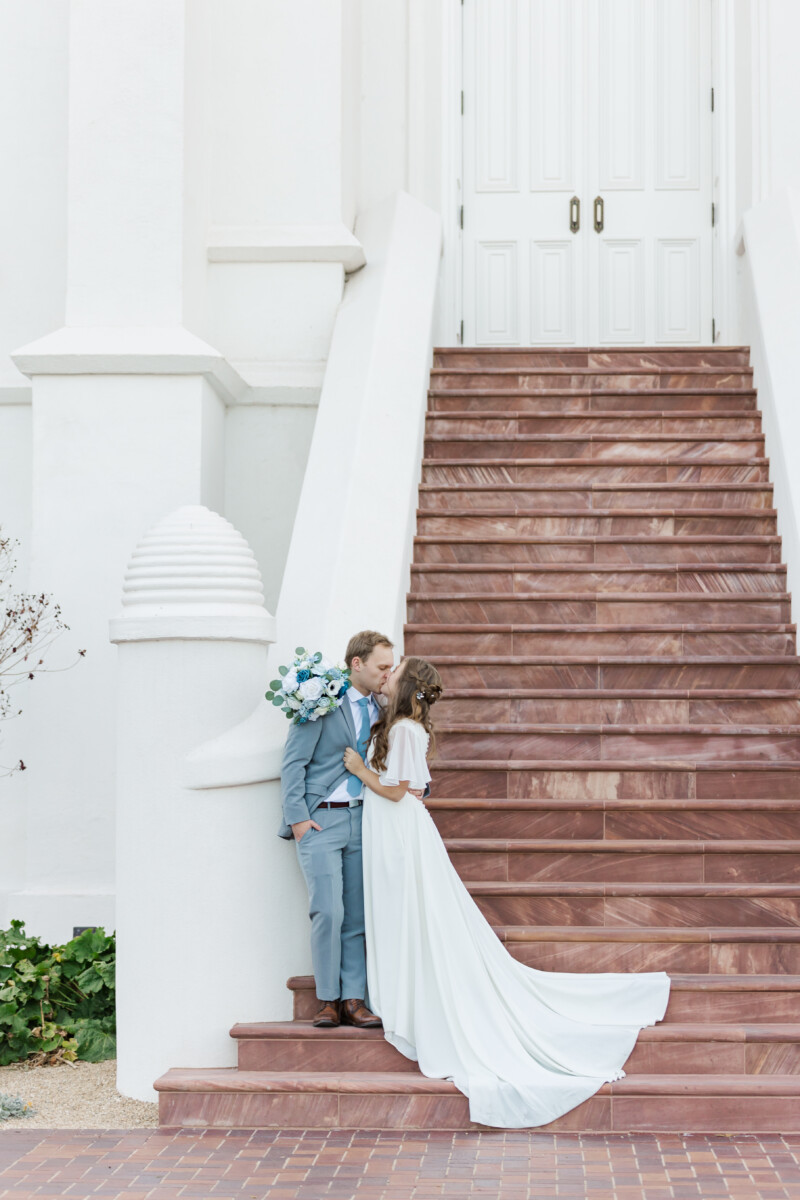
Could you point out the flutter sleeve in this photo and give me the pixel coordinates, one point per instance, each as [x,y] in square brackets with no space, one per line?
[406,757]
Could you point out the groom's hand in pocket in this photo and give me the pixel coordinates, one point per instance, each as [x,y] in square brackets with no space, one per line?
[302,827]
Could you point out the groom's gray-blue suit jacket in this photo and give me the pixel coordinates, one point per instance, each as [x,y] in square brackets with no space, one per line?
[313,764]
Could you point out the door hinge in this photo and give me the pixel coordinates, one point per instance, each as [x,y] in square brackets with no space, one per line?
[461,333]
[713,331]
[461,217]
[712,99]
[713,215]
[462,104]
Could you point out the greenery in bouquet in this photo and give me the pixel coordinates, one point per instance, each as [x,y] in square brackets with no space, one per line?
[310,688]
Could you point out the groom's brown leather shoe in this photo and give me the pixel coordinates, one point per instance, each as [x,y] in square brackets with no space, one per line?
[329,1015]
[355,1012]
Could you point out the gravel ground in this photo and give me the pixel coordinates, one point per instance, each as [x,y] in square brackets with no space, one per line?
[74,1096]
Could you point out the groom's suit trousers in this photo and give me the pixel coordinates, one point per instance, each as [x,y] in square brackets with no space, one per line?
[330,859]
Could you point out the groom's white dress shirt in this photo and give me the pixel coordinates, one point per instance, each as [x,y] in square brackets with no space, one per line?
[353,695]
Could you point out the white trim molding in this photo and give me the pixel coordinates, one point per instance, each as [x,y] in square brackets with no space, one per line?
[130,350]
[452,76]
[286,243]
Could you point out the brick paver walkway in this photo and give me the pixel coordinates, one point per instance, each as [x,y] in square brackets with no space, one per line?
[302,1165]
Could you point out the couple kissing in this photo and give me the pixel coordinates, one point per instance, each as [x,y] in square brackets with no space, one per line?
[397,941]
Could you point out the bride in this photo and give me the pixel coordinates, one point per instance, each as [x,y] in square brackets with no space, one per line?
[523,1045]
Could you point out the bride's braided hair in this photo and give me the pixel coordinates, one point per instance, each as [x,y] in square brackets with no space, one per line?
[418,687]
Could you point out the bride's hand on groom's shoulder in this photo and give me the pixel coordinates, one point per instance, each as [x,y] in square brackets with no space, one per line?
[353,762]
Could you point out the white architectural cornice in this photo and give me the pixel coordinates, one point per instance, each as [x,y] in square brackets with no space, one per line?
[286,243]
[130,350]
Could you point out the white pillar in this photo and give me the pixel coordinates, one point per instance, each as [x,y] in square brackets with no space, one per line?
[128,423]
[195,920]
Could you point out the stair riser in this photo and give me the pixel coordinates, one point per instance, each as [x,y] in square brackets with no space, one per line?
[648,1058]
[301,1110]
[586,711]
[617,610]
[459,491]
[656,401]
[617,746]
[621,676]
[630,552]
[656,912]
[331,1054]
[552,641]
[530,359]
[657,525]
[736,379]
[648,822]
[685,1007]
[517,610]
[593,782]
[512,425]
[697,958]
[609,867]
[599,579]
[684,451]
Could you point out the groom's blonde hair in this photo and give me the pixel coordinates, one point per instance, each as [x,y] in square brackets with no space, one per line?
[362,644]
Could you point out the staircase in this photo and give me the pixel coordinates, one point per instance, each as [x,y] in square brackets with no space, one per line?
[598,578]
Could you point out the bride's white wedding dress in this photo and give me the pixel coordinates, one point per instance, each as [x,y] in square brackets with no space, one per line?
[524,1045]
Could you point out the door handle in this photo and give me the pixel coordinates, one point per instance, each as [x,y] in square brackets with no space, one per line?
[574,214]
[599,214]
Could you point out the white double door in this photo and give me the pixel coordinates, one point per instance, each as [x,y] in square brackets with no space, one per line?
[601,106]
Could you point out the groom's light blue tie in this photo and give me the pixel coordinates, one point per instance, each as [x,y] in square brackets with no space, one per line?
[354,784]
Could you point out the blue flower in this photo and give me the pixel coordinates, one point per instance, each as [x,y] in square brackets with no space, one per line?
[302,676]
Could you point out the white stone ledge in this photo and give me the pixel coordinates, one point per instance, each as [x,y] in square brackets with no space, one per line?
[130,350]
[289,382]
[182,628]
[286,243]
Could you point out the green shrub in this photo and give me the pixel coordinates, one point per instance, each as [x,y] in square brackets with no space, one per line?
[56,1002]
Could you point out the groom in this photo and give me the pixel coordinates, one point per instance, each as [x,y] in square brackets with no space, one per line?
[322,812]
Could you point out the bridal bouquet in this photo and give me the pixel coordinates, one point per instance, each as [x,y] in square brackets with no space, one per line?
[310,688]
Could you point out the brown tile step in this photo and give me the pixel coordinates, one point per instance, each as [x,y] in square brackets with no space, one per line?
[690,1049]
[556,608]
[725,951]
[591,400]
[616,672]
[607,424]
[228,1099]
[696,998]
[590,356]
[554,447]
[641,522]
[743,489]
[612,608]
[597,577]
[624,860]
[580,548]
[691,743]
[646,707]
[696,639]
[589,902]
[590,817]
[631,379]
[606,367]
[578,780]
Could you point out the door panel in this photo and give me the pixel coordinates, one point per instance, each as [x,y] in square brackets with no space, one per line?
[587,98]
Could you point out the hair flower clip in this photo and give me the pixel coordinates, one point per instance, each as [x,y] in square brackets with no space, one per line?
[420,695]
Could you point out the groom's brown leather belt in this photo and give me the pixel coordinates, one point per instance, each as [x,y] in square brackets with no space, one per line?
[337,804]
